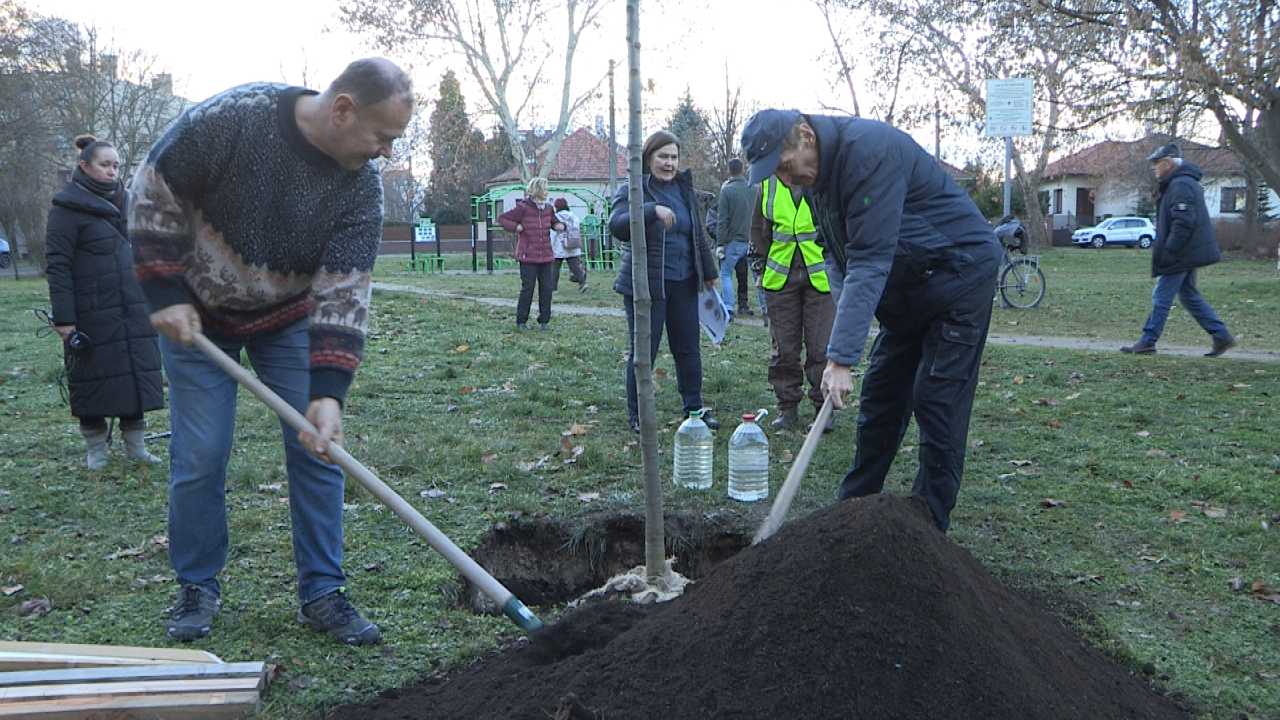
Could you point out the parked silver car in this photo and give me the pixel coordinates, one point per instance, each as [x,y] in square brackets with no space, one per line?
[1117,231]
[4,253]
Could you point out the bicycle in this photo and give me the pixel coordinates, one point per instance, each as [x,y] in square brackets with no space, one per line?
[1022,283]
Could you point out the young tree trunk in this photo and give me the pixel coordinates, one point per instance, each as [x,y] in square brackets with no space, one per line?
[654,540]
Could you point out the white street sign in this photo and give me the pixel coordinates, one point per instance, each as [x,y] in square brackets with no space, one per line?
[424,231]
[1009,104]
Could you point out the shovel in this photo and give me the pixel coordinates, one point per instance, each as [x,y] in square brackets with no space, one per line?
[778,512]
[510,604]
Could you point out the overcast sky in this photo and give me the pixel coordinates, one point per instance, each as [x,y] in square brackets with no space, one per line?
[210,46]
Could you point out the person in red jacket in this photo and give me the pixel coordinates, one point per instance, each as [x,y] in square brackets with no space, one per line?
[532,220]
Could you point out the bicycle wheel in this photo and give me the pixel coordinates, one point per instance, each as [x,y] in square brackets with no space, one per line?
[1022,284]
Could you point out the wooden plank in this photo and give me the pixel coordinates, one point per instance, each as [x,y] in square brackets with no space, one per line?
[15,656]
[131,673]
[144,687]
[182,706]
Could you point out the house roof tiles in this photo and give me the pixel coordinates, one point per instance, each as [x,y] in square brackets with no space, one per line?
[1105,157]
[582,156]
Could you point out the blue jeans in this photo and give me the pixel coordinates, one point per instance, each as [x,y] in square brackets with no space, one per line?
[1182,285]
[202,415]
[734,252]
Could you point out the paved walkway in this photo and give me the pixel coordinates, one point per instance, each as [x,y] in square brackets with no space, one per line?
[1065,343]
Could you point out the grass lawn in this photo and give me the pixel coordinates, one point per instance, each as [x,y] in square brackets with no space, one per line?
[1161,471]
[1102,294]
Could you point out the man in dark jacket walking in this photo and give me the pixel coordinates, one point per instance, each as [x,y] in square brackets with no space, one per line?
[1184,242]
[930,284]
[733,227]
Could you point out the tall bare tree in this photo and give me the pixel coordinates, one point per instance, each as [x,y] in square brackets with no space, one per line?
[1222,55]
[962,43]
[503,44]
[725,126]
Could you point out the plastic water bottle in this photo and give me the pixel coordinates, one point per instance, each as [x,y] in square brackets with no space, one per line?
[693,451]
[749,460]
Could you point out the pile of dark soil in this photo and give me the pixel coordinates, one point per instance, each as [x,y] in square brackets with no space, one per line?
[862,610]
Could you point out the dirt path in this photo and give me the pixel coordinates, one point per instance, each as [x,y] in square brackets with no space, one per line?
[1064,343]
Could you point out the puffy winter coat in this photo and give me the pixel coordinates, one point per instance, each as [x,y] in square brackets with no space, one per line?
[533,242]
[1184,233]
[92,286]
[704,262]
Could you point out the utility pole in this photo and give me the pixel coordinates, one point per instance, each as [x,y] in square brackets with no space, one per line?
[937,130]
[613,146]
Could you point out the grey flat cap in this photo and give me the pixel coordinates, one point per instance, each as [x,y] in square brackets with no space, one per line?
[1165,151]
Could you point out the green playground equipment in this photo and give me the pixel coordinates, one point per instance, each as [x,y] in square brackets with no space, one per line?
[599,250]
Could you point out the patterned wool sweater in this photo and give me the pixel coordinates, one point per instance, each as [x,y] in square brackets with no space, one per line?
[236,213]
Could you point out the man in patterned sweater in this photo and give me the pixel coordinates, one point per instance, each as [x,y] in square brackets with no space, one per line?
[256,220]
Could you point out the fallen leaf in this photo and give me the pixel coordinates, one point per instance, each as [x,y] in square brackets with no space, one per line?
[1049,402]
[488,458]
[466,390]
[566,445]
[125,553]
[1236,583]
[11,590]
[1055,424]
[589,497]
[1021,463]
[271,488]
[373,567]
[35,607]
[1051,503]
[1018,380]
[497,488]
[574,454]
[160,541]
[462,348]
[787,456]
[660,374]
[592,409]
[1128,484]
[1157,453]
[432,494]
[1143,434]
[1087,579]
[1177,516]
[575,429]
[1072,396]
[1215,513]
[1004,477]
[1239,386]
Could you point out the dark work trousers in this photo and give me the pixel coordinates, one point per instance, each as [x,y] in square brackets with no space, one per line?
[98,422]
[740,285]
[543,275]
[577,271]
[799,318]
[934,317]
[678,311]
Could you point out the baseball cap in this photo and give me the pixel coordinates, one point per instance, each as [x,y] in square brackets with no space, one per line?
[762,141]
[1170,150]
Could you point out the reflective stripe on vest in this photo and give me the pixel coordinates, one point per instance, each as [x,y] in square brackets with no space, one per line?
[792,227]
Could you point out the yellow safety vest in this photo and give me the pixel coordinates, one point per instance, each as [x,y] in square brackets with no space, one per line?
[792,227]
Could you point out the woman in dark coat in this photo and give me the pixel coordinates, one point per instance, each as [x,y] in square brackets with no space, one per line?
[109,347]
[680,263]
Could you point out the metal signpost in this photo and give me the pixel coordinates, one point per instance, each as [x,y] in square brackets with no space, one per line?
[1009,104]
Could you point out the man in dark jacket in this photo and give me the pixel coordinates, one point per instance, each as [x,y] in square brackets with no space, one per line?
[733,226]
[1184,242]
[929,283]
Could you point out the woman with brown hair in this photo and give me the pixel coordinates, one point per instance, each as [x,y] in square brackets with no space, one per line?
[109,347]
[680,263]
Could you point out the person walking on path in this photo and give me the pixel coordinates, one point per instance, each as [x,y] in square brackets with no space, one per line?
[783,231]
[1184,243]
[733,233]
[256,220]
[532,220]
[566,245]
[680,262]
[108,345]
[931,289]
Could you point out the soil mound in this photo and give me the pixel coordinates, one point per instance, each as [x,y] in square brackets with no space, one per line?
[862,610]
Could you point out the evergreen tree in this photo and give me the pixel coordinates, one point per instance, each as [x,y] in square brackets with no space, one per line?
[690,124]
[451,148]
[1266,209]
